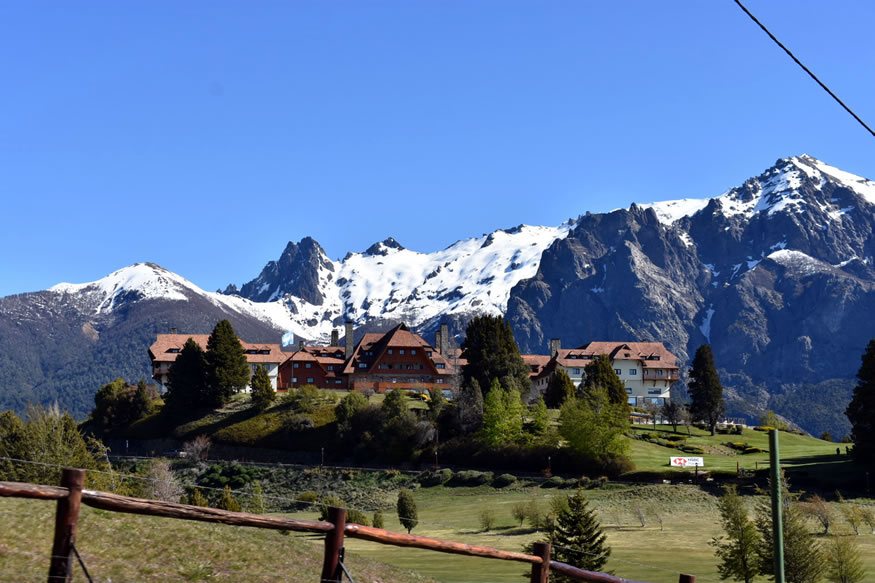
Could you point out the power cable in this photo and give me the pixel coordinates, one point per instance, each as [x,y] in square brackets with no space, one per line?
[804,68]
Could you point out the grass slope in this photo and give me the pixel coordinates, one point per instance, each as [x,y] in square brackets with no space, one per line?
[120,547]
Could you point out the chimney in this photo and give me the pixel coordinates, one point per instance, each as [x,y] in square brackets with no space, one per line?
[555,346]
[173,330]
[335,338]
[445,337]
[300,344]
[437,340]
[349,342]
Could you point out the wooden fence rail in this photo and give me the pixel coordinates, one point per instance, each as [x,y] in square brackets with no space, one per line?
[70,494]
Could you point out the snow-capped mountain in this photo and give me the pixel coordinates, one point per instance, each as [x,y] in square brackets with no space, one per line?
[389,282]
[777,274]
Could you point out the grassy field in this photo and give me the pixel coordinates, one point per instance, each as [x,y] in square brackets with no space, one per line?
[128,548]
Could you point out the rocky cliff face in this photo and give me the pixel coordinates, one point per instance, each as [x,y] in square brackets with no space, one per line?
[777,275]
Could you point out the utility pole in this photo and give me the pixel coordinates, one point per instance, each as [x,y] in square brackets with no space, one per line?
[777,508]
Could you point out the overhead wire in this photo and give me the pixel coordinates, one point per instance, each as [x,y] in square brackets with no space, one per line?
[804,68]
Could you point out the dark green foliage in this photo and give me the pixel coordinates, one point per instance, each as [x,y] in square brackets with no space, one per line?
[348,406]
[540,423]
[559,389]
[861,410]
[48,437]
[436,404]
[705,389]
[304,399]
[357,516]
[195,498]
[227,369]
[471,478]
[600,373]
[504,480]
[187,379]
[737,551]
[117,404]
[230,474]
[577,537]
[406,508]
[435,478]
[378,520]
[262,392]
[469,407]
[492,353]
[394,406]
[803,557]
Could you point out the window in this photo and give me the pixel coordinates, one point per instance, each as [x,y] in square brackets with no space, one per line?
[412,351]
[401,351]
[308,365]
[330,367]
[633,371]
[173,350]
[440,381]
[309,379]
[628,391]
[440,365]
[337,382]
[363,365]
[656,401]
[294,379]
[577,371]
[618,371]
[390,351]
[654,391]
[428,352]
[297,365]
[659,372]
[632,401]
[394,379]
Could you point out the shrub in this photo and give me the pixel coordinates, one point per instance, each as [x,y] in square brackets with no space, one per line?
[554,482]
[692,449]
[378,520]
[357,516]
[435,478]
[487,519]
[753,450]
[503,481]
[737,430]
[299,423]
[471,478]
[763,428]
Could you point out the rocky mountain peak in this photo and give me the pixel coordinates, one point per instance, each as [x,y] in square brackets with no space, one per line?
[383,247]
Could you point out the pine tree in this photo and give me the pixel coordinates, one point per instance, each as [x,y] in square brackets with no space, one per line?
[844,563]
[228,502]
[600,373]
[861,410]
[705,389]
[559,389]
[257,504]
[577,537]
[803,557]
[262,392]
[469,407]
[738,550]
[492,353]
[187,378]
[227,369]
[540,417]
[197,499]
[406,508]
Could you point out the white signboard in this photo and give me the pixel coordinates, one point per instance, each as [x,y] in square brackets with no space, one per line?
[687,462]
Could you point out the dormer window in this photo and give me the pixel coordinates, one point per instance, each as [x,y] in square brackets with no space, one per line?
[173,350]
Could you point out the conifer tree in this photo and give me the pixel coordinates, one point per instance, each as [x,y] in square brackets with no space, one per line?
[469,407]
[187,378]
[228,502]
[492,353]
[600,373]
[706,392]
[406,507]
[262,392]
[559,389]
[257,504]
[227,369]
[738,550]
[577,537]
[861,410]
[844,563]
[540,417]
[803,557]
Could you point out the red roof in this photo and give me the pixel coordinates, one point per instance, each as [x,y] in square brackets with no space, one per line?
[167,347]
[398,337]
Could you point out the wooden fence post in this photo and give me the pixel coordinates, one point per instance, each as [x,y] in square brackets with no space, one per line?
[66,519]
[687,579]
[331,570]
[541,573]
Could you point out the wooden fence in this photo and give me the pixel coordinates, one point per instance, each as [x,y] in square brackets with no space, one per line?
[71,495]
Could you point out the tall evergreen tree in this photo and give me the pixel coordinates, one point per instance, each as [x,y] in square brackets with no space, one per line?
[492,353]
[559,389]
[577,537]
[262,391]
[469,407]
[861,410]
[227,369]
[600,373]
[187,378]
[706,392]
[803,557]
[738,550]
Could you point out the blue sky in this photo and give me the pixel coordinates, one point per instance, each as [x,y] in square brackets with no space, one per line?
[205,135]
